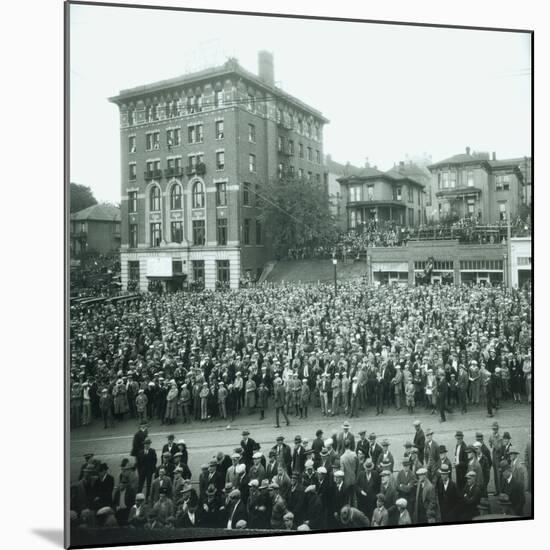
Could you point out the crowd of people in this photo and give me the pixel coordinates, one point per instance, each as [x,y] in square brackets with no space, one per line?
[277,351]
[341,481]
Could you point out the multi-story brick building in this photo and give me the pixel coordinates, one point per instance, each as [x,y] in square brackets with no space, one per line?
[396,195]
[196,151]
[95,229]
[476,185]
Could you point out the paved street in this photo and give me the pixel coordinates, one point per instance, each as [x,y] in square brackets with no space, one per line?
[204,439]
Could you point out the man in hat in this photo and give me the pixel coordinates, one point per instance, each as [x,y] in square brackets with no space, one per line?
[426,509]
[518,469]
[431,454]
[257,471]
[106,407]
[283,454]
[487,463]
[139,512]
[298,455]
[105,487]
[317,446]
[385,460]
[309,477]
[470,498]
[231,474]
[146,462]
[314,515]
[296,497]
[163,508]
[460,460]
[406,482]
[363,443]
[349,464]
[380,514]
[514,489]
[123,500]
[419,440]
[236,510]
[247,445]
[161,481]
[340,496]
[404,517]
[278,507]
[241,483]
[443,459]
[324,390]
[87,457]
[279,400]
[447,494]
[139,437]
[170,447]
[211,509]
[375,449]
[473,465]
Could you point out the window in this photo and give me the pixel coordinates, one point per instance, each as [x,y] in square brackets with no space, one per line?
[198,103]
[300,173]
[131,117]
[221,231]
[502,211]
[252,133]
[471,206]
[309,176]
[198,232]
[309,154]
[198,270]
[176,232]
[318,178]
[218,98]
[246,194]
[258,232]
[355,193]
[524,260]
[246,231]
[149,113]
[301,126]
[194,161]
[174,167]
[301,149]
[173,137]
[470,178]
[318,156]
[198,195]
[219,129]
[397,196]
[131,144]
[132,201]
[132,172]
[177,266]
[291,171]
[152,141]
[370,192]
[220,160]
[222,268]
[290,147]
[175,197]
[502,182]
[279,116]
[452,180]
[172,109]
[445,180]
[155,234]
[195,133]
[153,168]
[410,191]
[251,102]
[133,270]
[155,198]
[133,235]
[252,162]
[280,144]
[308,129]
[221,193]
[280,170]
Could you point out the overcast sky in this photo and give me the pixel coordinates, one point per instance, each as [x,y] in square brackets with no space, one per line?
[388,91]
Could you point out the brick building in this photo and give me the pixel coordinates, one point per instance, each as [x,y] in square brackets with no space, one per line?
[477,185]
[196,151]
[95,229]
[395,195]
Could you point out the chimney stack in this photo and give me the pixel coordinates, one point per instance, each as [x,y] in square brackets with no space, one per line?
[467,150]
[367,165]
[494,155]
[266,71]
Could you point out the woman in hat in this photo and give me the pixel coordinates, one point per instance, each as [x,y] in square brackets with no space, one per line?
[120,400]
[250,394]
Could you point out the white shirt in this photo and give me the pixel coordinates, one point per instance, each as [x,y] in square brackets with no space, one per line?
[191,517]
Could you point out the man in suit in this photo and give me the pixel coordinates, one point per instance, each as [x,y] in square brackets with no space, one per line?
[278,507]
[349,463]
[447,494]
[298,455]
[317,446]
[161,481]
[257,471]
[343,436]
[460,460]
[231,474]
[313,508]
[431,454]
[426,509]
[375,450]
[214,477]
[279,399]
[139,512]
[170,447]
[283,454]
[296,498]
[223,462]
[324,491]
[211,509]
[146,461]
[123,500]
[486,462]
[514,489]
[271,466]
[406,483]
[105,486]
[191,515]
[248,445]
[474,465]
[236,510]
[518,469]
[139,437]
[368,486]
[363,443]
[471,495]
[341,496]
[419,440]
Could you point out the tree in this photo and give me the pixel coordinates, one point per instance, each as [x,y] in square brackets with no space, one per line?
[81,197]
[296,213]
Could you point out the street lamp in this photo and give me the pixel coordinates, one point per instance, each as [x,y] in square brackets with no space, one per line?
[334,262]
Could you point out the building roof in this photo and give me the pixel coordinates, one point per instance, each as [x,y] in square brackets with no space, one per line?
[462,158]
[98,212]
[230,66]
[411,171]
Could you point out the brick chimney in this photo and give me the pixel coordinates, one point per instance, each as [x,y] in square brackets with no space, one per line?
[467,150]
[266,72]
[494,157]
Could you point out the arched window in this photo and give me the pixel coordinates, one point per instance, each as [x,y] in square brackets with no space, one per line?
[175,197]
[131,116]
[149,113]
[198,195]
[155,199]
